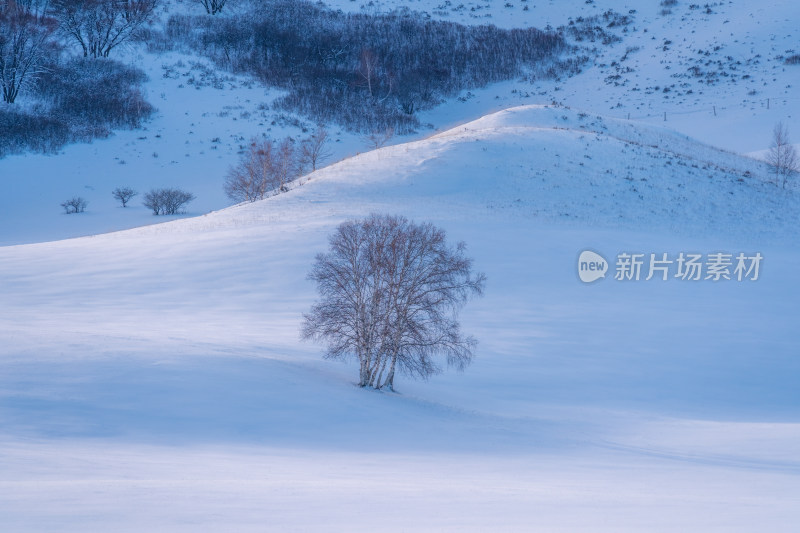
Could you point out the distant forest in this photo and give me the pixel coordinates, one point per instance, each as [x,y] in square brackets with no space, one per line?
[367,72]
[77,100]
[68,97]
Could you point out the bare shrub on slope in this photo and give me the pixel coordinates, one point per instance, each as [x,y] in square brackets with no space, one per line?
[782,155]
[167,201]
[265,168]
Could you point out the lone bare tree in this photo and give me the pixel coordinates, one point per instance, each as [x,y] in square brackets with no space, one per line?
[124,195]
[314,149]
[782,155]
[390,292]
[25,31]
[99,26]
[213,6]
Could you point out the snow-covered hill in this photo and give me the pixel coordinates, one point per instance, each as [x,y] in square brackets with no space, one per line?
[721,79]
[549,164]
[153,379]
[710,67]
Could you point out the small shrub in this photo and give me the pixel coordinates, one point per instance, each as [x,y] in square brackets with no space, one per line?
[167,201]
[124,194]
[76,204]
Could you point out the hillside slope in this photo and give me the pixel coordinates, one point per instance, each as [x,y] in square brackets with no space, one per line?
[722,79]
[153,378]
[550,163]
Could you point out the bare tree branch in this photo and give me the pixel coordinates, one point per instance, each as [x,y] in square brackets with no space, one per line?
[213,6]
[99,26]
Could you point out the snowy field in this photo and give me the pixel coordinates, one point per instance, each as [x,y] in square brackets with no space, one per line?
[153,379]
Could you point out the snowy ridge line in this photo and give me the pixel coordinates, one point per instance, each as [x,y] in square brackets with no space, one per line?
[522,130]
[630,126]
[485,133]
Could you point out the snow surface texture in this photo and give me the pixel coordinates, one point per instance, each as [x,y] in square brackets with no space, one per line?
[153,379]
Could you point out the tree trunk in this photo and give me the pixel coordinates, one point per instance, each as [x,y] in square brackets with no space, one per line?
[390,377]
[363,374]
[380,365]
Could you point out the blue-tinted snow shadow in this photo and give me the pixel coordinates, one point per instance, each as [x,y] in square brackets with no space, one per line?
[245,400]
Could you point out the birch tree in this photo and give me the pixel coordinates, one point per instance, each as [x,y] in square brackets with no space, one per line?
[251,179]
[266,168]
[390,292]
[314,149]
[782,155]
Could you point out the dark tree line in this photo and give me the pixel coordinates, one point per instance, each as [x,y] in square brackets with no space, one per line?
[71,99]
[77,100]
[28,31]
[368,72]
[25,43]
